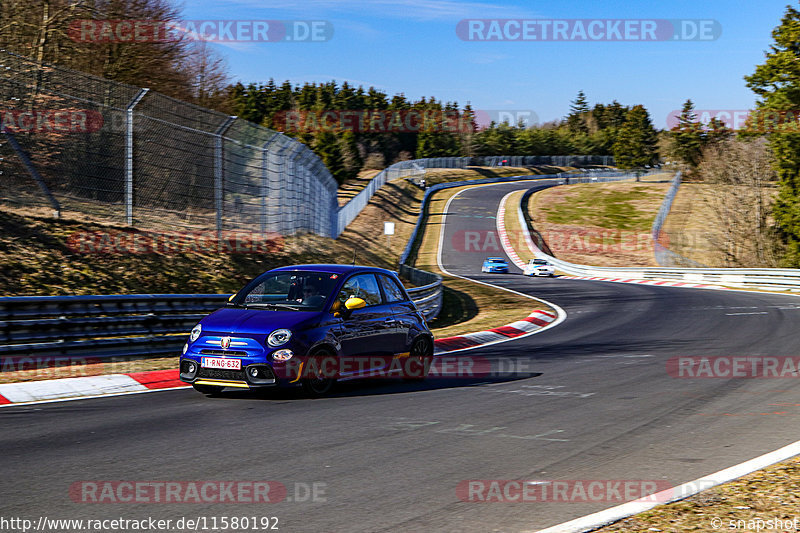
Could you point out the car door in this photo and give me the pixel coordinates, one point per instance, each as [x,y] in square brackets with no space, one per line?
[404,311]
[366,332]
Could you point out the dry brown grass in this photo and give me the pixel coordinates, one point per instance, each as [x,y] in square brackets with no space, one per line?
[692,228]
[766,494]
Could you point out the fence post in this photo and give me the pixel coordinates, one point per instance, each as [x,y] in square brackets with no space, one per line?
[277,182]
[32,171]
[129,155]
[218,171]
[265,182]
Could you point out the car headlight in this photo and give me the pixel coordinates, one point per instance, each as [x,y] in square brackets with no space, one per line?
[195,333]
[279,337]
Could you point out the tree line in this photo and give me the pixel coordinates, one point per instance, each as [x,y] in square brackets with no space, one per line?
[316,114]
[754,172]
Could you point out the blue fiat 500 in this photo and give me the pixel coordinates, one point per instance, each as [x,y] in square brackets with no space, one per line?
[309,325]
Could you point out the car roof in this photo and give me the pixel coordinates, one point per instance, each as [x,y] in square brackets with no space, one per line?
[331,268]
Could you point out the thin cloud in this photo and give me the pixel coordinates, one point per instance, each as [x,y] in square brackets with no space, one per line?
[399,9]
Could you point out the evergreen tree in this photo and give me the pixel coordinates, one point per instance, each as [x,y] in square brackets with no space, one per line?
[637,142]
[776,82]
[327,148]
[578,110]
[687,136]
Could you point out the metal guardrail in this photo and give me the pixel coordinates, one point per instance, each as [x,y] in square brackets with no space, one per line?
[428,297]
[46,329]
[139,325]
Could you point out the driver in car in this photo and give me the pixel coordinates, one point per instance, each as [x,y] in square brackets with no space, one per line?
[311,296]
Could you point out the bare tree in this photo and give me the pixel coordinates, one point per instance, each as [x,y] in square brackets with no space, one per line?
[208,76]
[39,29]
[176,66]
[742,179]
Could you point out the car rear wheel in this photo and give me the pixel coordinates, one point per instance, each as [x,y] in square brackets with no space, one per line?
[318,384]
[419,359]
[208,389]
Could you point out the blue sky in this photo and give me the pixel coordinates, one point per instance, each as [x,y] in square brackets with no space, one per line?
[411,46]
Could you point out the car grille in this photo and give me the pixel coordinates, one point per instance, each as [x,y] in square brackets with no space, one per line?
[215,373]
[265,374]
[235,353]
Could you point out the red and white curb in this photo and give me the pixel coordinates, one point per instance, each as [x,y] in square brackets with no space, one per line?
[88,387]
[533,322]
[662,283]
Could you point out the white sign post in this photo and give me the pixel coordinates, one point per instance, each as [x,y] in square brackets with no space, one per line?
[388,230]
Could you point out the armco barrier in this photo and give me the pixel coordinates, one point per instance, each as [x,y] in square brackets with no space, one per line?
[757,278]
[49,328]
[427,297]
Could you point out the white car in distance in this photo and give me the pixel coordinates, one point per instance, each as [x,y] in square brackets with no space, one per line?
[539,267]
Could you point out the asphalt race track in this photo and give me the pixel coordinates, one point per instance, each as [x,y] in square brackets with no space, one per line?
[592,401]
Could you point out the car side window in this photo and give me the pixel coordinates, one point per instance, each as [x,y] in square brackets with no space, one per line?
[363,286]
[391,290]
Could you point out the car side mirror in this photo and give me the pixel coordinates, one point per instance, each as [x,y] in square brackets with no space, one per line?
[354,303]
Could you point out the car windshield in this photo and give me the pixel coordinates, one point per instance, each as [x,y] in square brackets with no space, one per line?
[497,261]
[539,262]
[289,291]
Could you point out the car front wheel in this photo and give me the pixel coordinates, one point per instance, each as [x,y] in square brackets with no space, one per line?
[316,384]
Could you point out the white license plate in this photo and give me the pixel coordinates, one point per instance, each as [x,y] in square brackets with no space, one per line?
[221,363]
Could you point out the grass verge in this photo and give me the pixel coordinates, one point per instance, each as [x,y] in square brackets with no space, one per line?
[764,495]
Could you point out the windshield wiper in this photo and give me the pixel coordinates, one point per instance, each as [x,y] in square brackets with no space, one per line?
[273,304]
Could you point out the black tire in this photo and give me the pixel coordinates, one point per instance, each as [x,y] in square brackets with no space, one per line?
[421,356]
[208,389]
[319,385]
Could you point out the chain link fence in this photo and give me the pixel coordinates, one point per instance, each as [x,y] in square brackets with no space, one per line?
[125,155]
[91,148]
